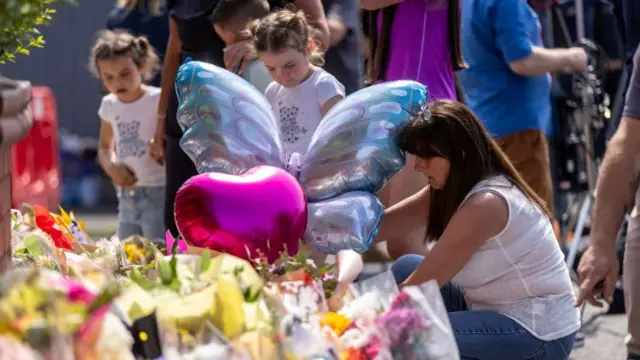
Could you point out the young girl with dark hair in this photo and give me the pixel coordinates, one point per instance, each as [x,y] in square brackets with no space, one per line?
[123,61]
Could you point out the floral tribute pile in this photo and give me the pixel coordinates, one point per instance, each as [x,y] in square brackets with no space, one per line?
[70,297]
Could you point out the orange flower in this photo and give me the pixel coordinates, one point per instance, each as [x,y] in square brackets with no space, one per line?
[337,322]
[353,354]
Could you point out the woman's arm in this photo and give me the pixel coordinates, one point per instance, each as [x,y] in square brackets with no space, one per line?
[377,4]
[404,219]
[315,13]
[480,218]
[169,70]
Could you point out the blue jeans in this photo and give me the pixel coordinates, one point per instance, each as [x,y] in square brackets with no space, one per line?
[487,335]
[141,212]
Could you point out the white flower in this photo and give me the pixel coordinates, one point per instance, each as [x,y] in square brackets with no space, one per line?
[115,341]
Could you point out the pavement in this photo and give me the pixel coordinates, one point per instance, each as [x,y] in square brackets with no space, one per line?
[602,336]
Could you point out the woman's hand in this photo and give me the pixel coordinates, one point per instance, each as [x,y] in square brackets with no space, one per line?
[157,146]
[349,265]
[243,51]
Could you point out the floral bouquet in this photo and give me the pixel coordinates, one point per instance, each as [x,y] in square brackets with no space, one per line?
[54,314]
[33,247]
[192,294]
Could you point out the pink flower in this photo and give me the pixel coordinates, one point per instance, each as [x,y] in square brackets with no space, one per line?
[78,293]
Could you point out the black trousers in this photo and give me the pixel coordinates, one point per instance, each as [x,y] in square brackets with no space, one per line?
[179,169]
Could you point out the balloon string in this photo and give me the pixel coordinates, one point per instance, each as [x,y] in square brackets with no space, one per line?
[424,30]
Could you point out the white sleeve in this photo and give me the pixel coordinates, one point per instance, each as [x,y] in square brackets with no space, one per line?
[327,88]
[270,92]
[104,112]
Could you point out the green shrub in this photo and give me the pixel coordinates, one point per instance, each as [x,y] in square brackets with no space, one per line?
[20,20]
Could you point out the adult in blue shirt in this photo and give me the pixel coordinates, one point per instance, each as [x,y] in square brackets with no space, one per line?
[143,18]
[507,83]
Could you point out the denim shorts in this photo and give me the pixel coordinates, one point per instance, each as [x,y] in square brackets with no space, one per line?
[141,212]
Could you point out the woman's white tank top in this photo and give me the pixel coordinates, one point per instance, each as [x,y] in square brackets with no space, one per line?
[521,272]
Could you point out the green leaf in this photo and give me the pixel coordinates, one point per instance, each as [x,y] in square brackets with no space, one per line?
[34,245]
[205,261]
[106,296]
[164,269]
[143,282]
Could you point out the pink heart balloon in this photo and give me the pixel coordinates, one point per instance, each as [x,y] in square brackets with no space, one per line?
[261,211]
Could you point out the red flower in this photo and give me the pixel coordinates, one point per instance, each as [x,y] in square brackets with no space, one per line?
[46,223]
[308,279]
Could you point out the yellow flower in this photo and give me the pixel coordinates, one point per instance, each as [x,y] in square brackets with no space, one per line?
[337,322]
[135,254]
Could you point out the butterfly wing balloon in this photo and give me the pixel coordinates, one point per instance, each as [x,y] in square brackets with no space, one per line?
[243,203]
[352,155]
[228,125]
[229,128]
[355,147]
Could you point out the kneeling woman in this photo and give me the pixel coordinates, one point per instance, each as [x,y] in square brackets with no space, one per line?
[503,276]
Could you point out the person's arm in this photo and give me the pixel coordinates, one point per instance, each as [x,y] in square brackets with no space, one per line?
[621,165]
[315,13]
[169,71]
[511,21]
[330,92]
[402,220]
[481,217]
[342,16]
[615,190]
[106,156]
[377,4]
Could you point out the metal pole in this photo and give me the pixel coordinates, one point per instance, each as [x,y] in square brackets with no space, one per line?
[579,7]
[587,105]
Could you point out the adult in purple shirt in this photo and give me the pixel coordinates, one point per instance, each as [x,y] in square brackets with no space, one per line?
[414,40]
[617,193]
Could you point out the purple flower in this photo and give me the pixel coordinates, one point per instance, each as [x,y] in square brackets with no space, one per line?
[402,325]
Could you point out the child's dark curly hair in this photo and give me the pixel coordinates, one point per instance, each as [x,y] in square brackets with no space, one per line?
[112,45]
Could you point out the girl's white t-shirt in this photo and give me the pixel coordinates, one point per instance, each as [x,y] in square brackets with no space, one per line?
[299,109]
[134,124]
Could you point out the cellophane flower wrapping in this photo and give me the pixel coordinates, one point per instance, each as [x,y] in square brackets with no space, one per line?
[12,349]
[417,326]
[33,247]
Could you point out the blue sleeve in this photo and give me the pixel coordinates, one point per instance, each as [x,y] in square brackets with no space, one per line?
[512,21]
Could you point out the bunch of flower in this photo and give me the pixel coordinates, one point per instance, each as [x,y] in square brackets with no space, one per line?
[299,267]
[40,307]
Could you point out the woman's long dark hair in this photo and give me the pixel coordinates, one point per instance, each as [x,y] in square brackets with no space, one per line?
[380,44]
[451,131]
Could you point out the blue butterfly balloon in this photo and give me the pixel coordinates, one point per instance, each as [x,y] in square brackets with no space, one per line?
[229,127]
